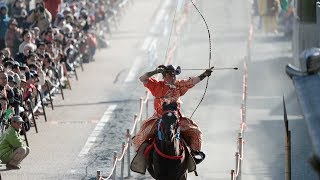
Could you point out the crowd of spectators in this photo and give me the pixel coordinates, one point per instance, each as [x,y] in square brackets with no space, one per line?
[274,16]
[40,46]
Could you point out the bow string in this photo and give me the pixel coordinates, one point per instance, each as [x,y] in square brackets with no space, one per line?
[210,55]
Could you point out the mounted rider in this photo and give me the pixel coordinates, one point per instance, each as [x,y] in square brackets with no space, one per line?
[170,90]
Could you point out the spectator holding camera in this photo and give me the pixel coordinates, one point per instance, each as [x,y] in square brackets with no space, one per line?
[40,17]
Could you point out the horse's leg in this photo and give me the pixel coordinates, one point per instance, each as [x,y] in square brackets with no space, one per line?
[184,176]
[184,165]
[155,165]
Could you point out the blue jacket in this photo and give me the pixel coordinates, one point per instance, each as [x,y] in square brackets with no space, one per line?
[4,23]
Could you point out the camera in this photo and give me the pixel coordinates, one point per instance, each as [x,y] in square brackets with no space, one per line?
[15,66]
[40,9]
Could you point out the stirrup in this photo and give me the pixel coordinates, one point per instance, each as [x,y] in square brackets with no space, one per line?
[198,156]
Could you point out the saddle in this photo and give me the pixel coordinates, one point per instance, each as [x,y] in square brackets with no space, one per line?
[140,161]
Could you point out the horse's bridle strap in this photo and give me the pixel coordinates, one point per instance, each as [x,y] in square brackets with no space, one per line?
[167,156]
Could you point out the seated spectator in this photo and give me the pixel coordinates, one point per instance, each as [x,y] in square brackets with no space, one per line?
[48,35]
[27,84]
[27,40]
[32,59]
[50,49]
[41,48]
[6,52]
[36,33]
[22,57]
[2,57]
[38,74]
[59,21]
[12,150]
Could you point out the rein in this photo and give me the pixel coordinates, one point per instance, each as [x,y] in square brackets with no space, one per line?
[167,156]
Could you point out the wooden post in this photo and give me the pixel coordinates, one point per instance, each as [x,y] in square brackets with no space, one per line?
[65,73]
[122,161]
[128,152]
[237,170]
[147,105]
[33,118]
[287,143]
[134,120]
[25,136]
[43,108]
[98,175]
[49,92]
[288,156]
[240,149]
[115,166]
[60,86]
[232,174]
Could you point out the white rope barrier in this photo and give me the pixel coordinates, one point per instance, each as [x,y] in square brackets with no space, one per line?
[239,156]
[137,118]
[236,174]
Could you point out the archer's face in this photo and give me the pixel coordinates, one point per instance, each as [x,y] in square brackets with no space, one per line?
[170,78]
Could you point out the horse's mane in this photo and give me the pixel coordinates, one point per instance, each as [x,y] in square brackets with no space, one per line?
[173,106]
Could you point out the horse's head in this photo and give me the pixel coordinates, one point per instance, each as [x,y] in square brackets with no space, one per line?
[169,121]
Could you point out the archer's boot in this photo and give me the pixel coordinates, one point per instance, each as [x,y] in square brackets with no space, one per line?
[198,156]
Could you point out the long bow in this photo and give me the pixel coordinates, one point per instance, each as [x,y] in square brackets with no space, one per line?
[210,52]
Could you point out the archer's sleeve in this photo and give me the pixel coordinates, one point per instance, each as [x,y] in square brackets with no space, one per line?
[153,85]
[185,84]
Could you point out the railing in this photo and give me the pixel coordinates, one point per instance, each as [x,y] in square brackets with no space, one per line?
[34,106]
[126,145]
[236,173]
[239,155]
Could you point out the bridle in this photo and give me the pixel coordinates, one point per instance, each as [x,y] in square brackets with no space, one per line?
[177,136]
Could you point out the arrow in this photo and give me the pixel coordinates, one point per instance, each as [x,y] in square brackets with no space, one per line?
[235,68]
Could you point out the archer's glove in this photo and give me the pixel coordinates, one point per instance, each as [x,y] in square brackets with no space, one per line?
[207,73]
[161,69]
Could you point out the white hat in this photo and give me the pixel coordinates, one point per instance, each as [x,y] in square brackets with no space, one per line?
[17,119]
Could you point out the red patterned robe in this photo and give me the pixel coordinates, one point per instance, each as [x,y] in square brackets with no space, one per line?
[169,93]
